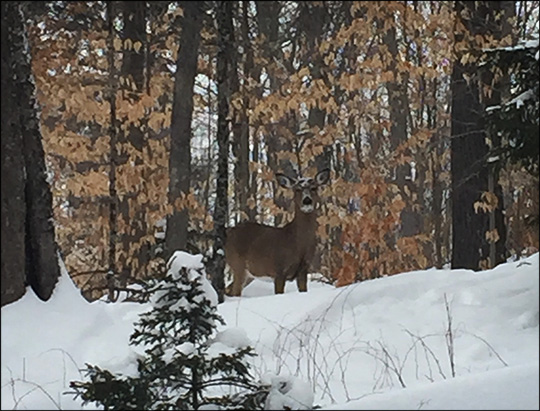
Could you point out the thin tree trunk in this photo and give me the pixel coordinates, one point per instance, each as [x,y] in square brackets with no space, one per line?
[240,132]
[252,212]
[268,24]
[135,31]
[133,37]
[182,112]
[113,159]
[243,172]
[224,68]
[411,223]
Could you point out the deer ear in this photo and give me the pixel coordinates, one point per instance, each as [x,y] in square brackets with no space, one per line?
[284,181]
[323,176]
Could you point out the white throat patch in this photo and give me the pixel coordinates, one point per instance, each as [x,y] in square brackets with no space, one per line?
[307,208]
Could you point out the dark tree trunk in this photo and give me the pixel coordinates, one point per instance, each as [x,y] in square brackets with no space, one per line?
[113,158]
[182,112]
[469,174]
[268,25]
[29,251]
[133,62]
[411,222]
[312,21]
[224,75]
[13,198]
[469,151]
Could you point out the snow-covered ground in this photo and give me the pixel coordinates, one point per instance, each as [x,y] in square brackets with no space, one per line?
[380,344]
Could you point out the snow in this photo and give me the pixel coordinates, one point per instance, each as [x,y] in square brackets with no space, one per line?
[287,392]
[500,389]
[234,337]
[528,44]
[353,347]
[518,101]
[228,341]
[181,259]
[193,263]
[492,108]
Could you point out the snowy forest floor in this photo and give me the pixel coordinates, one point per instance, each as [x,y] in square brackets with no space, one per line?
[431,339]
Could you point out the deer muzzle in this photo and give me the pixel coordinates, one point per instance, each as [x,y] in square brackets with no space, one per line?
[307,204]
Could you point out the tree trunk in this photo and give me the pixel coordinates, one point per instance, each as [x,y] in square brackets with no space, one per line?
[268,24]
[240,126]
[182,112]
[13,199]
[224,75]
[113,159]
[134,61]
[469,150]
[411,222]
[135,31]
[29,251]
[243,162]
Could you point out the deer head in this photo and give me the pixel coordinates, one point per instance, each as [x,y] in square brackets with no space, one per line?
[283,253]
[306,197]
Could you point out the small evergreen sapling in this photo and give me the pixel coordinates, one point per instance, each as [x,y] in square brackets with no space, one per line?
[186,364]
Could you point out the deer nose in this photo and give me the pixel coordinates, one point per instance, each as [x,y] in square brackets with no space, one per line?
[307,201]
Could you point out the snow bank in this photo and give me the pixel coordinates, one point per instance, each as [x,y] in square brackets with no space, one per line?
[343,341]
[44,344]
[326,346]
[511,388]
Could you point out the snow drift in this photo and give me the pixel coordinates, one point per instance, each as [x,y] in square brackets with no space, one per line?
[425,339]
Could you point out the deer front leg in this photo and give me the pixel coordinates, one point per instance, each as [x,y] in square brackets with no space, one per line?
[301,281]
[279,284]
[301,276]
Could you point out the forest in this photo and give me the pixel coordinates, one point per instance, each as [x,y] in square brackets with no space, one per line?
[134,129]
[382,154]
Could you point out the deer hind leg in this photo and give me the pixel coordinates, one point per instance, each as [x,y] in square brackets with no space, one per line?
[238,269]
[301,281]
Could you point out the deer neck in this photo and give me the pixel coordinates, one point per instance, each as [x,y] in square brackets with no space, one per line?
[304,223]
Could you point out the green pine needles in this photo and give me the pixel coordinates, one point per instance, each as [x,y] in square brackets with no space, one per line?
[187,364]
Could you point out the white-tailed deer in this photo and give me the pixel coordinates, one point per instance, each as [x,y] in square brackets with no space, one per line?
[283,253]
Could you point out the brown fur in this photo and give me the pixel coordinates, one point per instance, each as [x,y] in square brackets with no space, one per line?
[283,253]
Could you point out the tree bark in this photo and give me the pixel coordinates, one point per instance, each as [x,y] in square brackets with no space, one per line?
[29,250]
[224,75]
[411,222]
[13,199]
[113,159]
[182,112]
[132,72]
[133,62]
[240,127]
[268,24]
[469,151]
